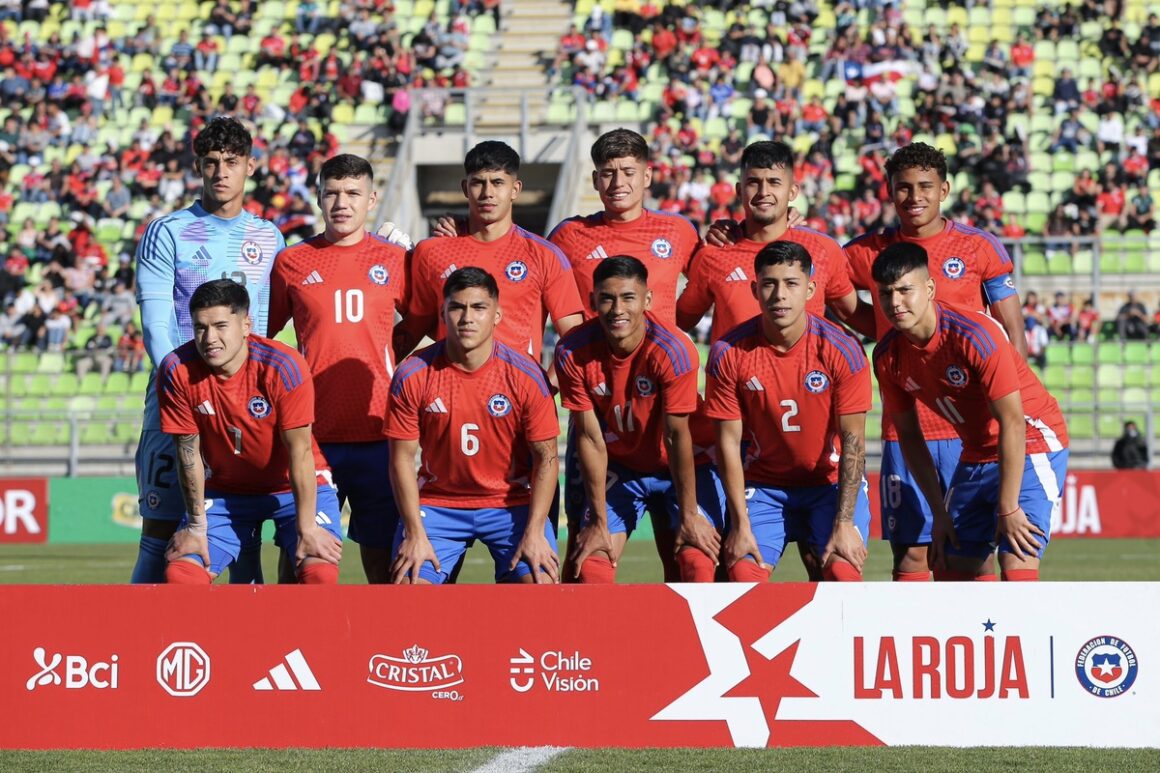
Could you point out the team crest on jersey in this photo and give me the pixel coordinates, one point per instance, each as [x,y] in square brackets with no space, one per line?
[817,382]
[645,386]
[258,406]
[1106,666]
[954,268]
[662,248]
[378,274]
[1009,282]
[956,376]
[252,252]
[517,271]
[153,500]
[498,405]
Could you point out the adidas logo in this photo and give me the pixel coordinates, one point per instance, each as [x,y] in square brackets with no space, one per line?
[302,679]
[911,385]
[314,278]
[737,275]
[753,385]
[322,519]
[597,254]
[436,407]
[206,409]
[601,390]
[450,270]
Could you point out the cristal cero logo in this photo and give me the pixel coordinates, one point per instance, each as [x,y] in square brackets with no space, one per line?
[416,671]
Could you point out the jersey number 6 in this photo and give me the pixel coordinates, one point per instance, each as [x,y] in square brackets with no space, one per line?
[468,443]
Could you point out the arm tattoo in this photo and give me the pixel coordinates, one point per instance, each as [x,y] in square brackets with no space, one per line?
[187,450]
[189,459]
[852,466]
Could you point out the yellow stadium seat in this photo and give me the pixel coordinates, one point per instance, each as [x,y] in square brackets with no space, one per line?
[343,113]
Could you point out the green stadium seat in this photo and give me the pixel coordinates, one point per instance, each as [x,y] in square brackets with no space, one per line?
[1084,398]
[1108,376]
[23,362]
[1080,426]
[117,384]
[1135,396]
[1136,375]
[1109,354]
[1136,352]
[1108,397]
[1060,264]
[1055,377]
[1082,377]
[1034,263]
[1109,425]
[1082,354]
[96,433]
[39,384]
[91,384]
[66,384]
[1083,262]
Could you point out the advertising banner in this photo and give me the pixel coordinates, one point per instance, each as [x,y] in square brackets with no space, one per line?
[630,666]
[23,510]
[91,511]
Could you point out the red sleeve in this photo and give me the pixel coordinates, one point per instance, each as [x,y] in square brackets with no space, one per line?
[176,414]
[894,399]
[838,284]
[570,376]
[295,406]
[696,298]
[679,393]
[689,246]
[279,311]
[996,366]
[424,297]
[403,301]
[995,263]
[852,392]
[539,414]
[561,298]
[402,409]
[858,258]
[721,384]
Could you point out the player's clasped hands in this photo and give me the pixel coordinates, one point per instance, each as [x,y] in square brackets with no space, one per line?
[318,543]
[846,543]
[535,551]
[188,541]
[1020,534]
[413,552]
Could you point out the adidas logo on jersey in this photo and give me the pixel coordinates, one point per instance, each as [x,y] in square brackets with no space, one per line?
[911,385]
[450,270]
[314,278]
[436,407]
[280,676]
[206,409]
[601,390]
[737,275]
[753,385]
[597,254]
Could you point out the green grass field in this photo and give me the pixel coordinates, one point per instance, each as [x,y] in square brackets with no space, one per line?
[1067,559]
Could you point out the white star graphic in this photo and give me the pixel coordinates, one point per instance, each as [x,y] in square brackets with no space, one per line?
[1106,668]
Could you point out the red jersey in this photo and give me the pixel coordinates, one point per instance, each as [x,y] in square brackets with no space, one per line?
[966,365]
[474,428]
[534,278]
[971,270]
[630,395]
[720,277]
[343,302]
[788,402]
[663,242]
[240,419]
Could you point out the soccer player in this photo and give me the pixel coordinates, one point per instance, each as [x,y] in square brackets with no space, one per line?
[972,270]
[242,405]
[795,389]
[719,276]
[214,238]
[664,243]
[959,363]
[631,384]
[484,417]
[342,288]
[536,277]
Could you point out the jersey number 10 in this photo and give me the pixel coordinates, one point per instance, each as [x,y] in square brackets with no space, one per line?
[348,306]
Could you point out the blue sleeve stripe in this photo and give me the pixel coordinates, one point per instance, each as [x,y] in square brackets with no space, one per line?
[847,346]
[991,239]
[282,362]
[883,346]
[671,346]
[716,353]
[577,339]
[560,225]
[409,367]
[726,342]
[522,363]
[972,331]
[560,256]
[688,222]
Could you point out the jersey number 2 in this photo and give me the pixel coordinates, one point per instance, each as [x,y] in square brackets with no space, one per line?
[791,407]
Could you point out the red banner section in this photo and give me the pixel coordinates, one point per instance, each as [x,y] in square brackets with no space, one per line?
[1096,503]
[631,666]
[23,510]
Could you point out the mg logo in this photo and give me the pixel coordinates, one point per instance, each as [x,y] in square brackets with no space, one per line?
[183,669]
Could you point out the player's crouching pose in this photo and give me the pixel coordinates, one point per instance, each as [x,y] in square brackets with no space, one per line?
[484,417]
[246,404]
[788,384]
[631,384]
[958,362]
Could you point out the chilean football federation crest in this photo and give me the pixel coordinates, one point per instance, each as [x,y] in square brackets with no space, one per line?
[378,274]
[517,271]
[645,386]
[956,376]
[259,407]
[954,268]
[1106,666]
[498,405]
[252,252]
[817,382]
[662,248]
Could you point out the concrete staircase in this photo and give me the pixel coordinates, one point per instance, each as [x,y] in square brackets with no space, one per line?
[525,46]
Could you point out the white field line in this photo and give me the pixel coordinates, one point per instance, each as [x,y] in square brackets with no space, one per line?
[523,759]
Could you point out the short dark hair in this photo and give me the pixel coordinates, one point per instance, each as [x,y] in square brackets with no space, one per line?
[467,277]
[917,155]
[225,135]
[898,260]
[619,143]
[783,252]
[344,166]
[767,154]
[220,292]
[620,266]
[492,154]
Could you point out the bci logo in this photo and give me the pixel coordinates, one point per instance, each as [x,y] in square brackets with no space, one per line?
[77,672]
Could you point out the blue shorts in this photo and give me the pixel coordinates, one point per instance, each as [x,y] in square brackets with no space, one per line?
[974,495]
[629,494]
[781,515]
[234,519]
[361,474]
[159,491]
[451,532]
[906,516]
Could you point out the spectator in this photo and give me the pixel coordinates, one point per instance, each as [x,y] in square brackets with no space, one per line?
[1141,211]
[1087,322]
[54,334]
[12,327]
[1032,308]
[1061,319]
[130,356]
[118,306]
[1036,335]
[1132,320]
[98,352]
[1130,451]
